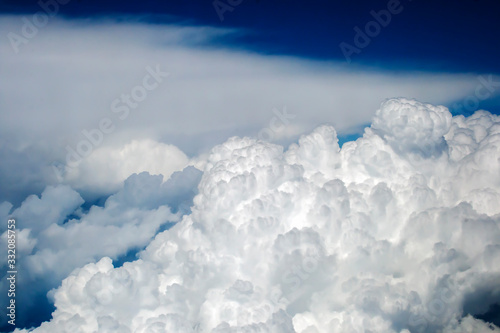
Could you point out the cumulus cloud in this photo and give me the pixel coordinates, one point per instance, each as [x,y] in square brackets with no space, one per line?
[397,231]
[107,167]
[74,71]
[55,234]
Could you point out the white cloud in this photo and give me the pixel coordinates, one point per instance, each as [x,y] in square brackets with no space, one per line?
[55,235]
[72,72]
[107,167]
[378,235]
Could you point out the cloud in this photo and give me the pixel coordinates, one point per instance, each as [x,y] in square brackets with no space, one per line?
[379,235]
[413,127]
[107,167]
[75,70]
[55,234]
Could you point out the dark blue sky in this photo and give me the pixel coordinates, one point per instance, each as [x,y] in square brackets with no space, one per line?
[455,36]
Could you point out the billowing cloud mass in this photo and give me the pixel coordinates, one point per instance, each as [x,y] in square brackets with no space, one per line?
[395,232]
[56,234]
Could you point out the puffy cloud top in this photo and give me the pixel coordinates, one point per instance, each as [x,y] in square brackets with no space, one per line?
[395,232]
[108,167]
[413,127]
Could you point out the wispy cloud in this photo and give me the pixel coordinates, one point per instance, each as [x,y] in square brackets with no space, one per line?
[65,81]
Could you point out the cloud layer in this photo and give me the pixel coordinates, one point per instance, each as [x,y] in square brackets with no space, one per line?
[79,73]
[395,232]
[56,234]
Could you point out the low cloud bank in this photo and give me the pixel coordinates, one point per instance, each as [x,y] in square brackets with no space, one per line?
[55,234]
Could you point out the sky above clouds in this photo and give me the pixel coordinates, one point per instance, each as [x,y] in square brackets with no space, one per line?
[190,154]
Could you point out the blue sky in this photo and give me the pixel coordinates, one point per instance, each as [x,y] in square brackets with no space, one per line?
[457,37]
[271,70]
